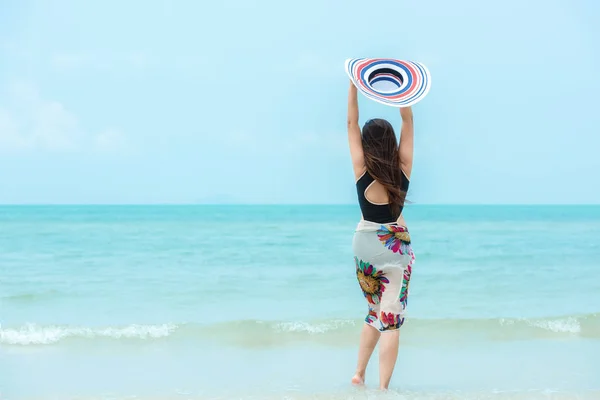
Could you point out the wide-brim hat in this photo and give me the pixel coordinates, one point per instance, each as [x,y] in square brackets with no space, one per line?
[396,83]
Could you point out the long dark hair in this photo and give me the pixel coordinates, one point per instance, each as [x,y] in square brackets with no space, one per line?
[382,159]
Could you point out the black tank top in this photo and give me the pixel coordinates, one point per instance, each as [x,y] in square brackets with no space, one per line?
[380,213]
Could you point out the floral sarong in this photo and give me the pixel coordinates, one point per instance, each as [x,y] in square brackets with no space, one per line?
[384,258]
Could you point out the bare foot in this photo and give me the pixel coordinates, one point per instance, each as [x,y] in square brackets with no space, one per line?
[358,380]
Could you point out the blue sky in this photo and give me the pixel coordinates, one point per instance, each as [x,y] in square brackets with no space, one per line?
[237,101]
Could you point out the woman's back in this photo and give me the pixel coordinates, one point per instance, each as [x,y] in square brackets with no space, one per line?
[373,198]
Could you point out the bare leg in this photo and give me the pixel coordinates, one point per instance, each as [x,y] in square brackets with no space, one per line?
[388,353]
[368,340]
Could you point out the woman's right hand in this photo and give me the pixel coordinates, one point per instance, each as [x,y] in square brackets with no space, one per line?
[406,113]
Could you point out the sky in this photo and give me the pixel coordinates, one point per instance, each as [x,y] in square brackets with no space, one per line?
[245,101]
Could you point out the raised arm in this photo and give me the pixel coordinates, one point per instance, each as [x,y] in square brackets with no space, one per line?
[354,139]
[406,146]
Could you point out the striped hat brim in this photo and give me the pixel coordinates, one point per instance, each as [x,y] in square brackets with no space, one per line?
[396,83]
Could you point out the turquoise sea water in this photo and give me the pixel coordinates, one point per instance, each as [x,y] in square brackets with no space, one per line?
[193,302]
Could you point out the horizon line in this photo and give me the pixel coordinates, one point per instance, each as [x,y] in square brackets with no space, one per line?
[290,204]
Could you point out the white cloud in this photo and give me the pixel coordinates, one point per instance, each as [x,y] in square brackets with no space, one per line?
[9,132]
[55,128]
[29,121]
[296,143]
[111,140]
[14,49]
[138,59]
[69,61]
[99,61]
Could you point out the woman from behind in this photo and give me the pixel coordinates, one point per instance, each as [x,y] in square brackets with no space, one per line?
[381,243]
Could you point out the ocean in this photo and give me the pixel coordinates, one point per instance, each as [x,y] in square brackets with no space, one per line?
[262,302]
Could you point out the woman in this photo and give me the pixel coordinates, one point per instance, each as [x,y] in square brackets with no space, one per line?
[381,243]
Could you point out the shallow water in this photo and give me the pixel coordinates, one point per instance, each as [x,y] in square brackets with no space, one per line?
[262,302]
